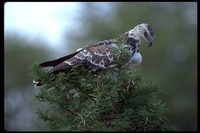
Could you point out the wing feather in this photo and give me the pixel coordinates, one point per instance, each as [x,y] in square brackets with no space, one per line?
[58,61]
[94,57]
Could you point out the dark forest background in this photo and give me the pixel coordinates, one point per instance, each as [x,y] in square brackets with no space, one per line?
[171,63]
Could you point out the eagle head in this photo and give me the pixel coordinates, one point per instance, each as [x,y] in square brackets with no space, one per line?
[142,30]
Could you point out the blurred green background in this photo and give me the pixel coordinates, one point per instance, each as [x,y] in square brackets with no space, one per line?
[171,62]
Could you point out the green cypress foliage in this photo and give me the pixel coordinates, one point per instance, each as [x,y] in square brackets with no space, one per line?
[115,99]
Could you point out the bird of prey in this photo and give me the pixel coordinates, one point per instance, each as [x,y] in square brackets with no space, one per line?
[99,55]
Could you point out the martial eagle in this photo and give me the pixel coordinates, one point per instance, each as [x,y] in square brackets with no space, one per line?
[99,55]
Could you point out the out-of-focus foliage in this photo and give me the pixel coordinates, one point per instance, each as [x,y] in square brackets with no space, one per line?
[19,54]
[19,108]
[172,60]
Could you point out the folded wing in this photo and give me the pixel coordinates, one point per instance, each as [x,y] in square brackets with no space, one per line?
[93,57]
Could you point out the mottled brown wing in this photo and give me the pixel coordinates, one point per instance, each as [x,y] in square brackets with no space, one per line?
[93,57]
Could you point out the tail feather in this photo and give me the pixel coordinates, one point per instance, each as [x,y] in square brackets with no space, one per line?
[58,65]
[58,61]
[61,64]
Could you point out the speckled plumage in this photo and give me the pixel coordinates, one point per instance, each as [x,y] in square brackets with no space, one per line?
[99,55]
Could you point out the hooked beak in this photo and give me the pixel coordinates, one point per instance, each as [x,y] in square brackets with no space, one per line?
[150,43]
